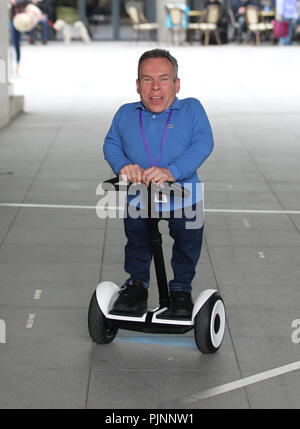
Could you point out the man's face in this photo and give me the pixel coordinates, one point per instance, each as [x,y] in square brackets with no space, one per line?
[156,84]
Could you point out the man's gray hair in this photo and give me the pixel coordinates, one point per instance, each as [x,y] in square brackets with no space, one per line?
[159,53]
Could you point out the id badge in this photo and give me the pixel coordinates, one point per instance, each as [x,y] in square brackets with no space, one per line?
[159,197]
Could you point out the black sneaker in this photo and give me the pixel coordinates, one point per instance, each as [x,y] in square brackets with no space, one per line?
[133,298]
[181,303]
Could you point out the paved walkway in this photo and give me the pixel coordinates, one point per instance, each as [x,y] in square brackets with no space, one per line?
[53,251]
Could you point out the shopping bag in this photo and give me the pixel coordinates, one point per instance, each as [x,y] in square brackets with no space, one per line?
[280,29]
[28,19]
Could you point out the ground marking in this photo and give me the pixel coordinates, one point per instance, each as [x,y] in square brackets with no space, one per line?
[37,294]
[246,223]
[30,320]
[242,382]
[83,207]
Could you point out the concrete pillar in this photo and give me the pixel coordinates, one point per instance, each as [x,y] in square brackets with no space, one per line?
[162,33]
[10,105]
[4,97]
[115,12]
[150,10]
[82,10]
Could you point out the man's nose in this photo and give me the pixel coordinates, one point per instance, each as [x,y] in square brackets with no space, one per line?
[155,85]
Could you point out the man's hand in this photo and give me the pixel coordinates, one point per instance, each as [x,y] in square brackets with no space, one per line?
[132,173]
[157,175]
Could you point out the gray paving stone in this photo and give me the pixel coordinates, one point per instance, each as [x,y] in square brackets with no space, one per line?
[3,232]
[255,265]
[7,215]
[253,238]
[296,220]
[49,253]
[57,237]
[230,188]
[268,395]
[13,190]
[40,368]
[290,199]
[59,284]
[249,200]
[58,219]
[156,372]
[67,192]
[240,221]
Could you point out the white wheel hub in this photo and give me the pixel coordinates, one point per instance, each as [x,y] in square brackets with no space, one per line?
[217,323]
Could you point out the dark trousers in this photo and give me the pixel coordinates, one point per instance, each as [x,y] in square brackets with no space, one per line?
[45,29]
[242,25]
[185,253]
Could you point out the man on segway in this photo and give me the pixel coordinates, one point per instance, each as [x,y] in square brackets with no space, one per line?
[159,139]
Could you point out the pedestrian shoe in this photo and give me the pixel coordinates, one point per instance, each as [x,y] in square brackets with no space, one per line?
[181,303]
[132,298]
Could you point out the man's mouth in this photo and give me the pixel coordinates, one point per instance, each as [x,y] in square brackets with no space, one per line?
[156,100]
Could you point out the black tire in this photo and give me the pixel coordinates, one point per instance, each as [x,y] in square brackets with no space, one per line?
[101,330]
[209,325]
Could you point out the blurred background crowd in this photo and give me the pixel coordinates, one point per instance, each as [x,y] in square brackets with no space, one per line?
[203,21]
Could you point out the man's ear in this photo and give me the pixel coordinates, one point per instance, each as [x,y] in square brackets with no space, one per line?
[137,86]
[177,85]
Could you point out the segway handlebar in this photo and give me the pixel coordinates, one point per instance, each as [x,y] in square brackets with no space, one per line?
[176,189]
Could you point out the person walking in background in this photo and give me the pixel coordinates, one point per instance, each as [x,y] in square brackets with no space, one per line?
[17,6]
[239,10]
[286,10]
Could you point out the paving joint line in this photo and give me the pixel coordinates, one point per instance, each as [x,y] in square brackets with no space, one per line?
[226,319]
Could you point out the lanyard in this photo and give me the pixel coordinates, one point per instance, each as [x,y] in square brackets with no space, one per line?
[163,141]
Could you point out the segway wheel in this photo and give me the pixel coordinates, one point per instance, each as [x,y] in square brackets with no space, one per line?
[101,330]
[209,325]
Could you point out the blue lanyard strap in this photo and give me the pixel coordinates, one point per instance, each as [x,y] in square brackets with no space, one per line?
[163,141]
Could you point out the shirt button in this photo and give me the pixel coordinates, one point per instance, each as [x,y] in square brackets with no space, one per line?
[153,116]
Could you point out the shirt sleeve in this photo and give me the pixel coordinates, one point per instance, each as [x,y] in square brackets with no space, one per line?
[200,147]
[113,147]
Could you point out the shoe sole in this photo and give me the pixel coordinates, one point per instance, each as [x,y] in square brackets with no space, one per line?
[136,310]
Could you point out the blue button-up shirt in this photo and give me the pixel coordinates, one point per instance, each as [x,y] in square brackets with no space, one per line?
[189,140]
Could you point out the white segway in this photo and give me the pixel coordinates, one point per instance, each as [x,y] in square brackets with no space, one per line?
[208,316]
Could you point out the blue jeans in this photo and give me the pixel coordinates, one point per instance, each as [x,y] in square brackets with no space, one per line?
[15,40]
[185,253]
[45,29]
[288,39]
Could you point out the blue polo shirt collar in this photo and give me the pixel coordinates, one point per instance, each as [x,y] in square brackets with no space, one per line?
[174,106]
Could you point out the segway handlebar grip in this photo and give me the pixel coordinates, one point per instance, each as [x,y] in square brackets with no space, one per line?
[115,181]
[176,188]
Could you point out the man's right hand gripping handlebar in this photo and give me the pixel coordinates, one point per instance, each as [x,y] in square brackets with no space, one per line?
[151,175]
[135,174]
